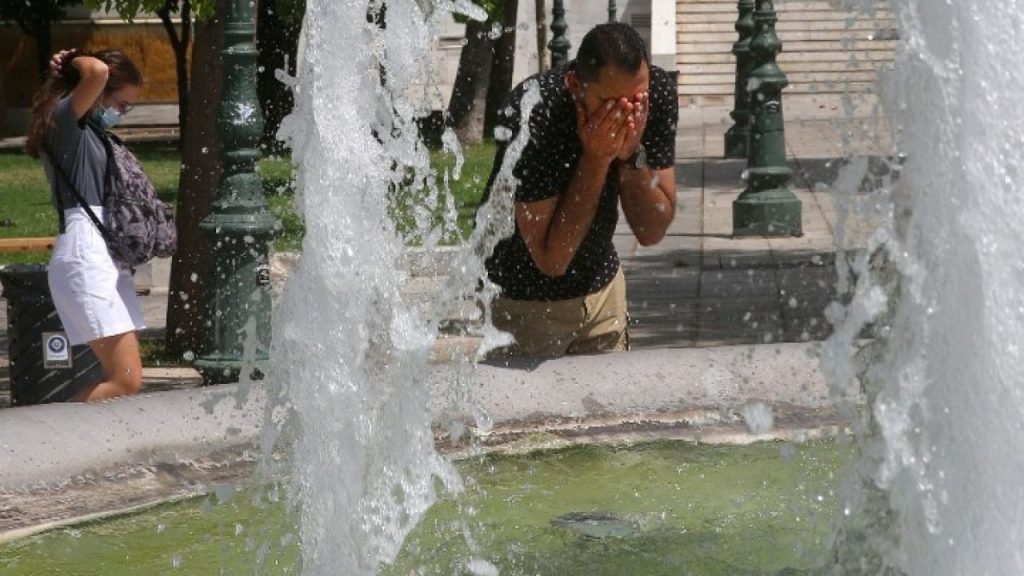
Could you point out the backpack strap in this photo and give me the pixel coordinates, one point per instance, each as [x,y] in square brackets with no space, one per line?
[108,139]
[81,202]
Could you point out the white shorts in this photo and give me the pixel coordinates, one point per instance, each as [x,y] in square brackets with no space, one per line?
[94,296]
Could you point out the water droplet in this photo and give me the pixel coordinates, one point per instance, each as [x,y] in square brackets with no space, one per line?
[758,417]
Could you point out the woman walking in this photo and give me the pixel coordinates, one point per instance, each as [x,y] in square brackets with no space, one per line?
[94,295]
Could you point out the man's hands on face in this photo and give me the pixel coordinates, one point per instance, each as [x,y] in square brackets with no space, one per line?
[603,133]
[615,130]
[637,108]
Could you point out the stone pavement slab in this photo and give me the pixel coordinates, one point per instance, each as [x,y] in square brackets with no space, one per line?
[752,290]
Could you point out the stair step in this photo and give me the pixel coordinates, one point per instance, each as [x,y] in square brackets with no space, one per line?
[785,26]
[729,18]
[826,49]
[792,36]
[816,88]
[691,6]
[690,80]
[729,67]
[835,46]
[878,56]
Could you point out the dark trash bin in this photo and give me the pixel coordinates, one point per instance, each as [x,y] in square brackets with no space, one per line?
[42,367]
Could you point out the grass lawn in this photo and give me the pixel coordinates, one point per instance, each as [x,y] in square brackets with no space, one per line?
[26,209]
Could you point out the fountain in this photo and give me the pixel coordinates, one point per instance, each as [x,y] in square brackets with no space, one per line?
[351,374]
[935,487]
[940,490]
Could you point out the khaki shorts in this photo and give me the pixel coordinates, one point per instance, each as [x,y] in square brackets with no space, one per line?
[593,323]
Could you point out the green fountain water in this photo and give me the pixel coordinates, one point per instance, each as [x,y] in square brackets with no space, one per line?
[693,509]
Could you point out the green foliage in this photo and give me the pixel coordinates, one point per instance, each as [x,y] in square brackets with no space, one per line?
[130,9]
[291,11]
[154,352]
[466,191]
[494,9]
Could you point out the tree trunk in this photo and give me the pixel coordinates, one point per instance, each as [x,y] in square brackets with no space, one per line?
[180,45]
[542,35]
[278,41]
[502,68]
[3,108]
[468,103]
[200,175]
[44,47]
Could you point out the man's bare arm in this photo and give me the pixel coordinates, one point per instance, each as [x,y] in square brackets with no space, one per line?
[648,201]
[554,228]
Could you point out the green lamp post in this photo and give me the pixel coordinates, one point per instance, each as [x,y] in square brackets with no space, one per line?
[559,44]
[737,136]
[767,207]
[239,224]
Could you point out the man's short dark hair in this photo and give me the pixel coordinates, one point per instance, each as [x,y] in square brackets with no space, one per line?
[612,44]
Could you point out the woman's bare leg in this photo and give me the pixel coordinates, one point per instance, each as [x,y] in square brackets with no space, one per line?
[122,368]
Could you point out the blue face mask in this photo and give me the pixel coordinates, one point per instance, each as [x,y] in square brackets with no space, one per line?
[107,118]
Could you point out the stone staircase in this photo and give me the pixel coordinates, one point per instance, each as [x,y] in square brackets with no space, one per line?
[827,50]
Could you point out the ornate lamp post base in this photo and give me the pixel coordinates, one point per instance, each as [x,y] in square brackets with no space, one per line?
[225,369]
[239,326]
[767,207]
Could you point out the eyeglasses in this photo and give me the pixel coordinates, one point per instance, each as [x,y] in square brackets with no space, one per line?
[122,107]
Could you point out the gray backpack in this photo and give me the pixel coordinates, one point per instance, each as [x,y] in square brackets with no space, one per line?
[137,225]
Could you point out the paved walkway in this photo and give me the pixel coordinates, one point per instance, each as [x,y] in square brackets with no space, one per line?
[700,287]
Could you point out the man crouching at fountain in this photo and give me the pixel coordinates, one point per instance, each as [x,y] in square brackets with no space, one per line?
[603,131]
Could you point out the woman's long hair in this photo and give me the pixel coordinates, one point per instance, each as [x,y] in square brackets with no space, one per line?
[122,72]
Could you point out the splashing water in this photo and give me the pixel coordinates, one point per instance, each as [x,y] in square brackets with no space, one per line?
[349,355]
[940,484]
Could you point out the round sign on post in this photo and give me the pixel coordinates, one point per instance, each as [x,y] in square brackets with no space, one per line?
[56,351]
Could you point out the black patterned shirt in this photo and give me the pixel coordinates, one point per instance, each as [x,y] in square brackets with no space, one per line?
[546,168]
